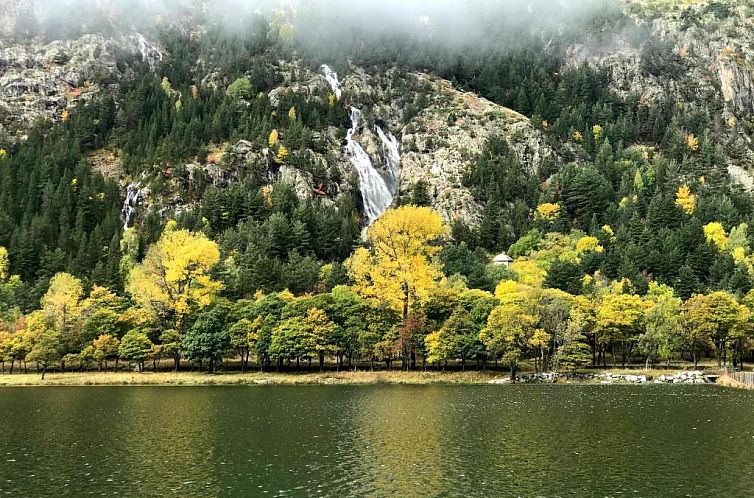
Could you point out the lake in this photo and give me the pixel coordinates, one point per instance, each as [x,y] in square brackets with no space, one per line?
[526,440]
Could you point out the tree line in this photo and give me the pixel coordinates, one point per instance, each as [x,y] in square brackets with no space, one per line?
[398,307]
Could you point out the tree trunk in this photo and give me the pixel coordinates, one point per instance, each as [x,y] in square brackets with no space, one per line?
[405,287]
[44,370]
[12,364]
[176,362]
[321,360]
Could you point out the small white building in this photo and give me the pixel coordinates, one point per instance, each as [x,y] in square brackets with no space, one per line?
[502,259]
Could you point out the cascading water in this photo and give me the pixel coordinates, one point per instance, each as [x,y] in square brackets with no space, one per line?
[133,200]
[374,191]
[149,53]
[332,80]
[392,155]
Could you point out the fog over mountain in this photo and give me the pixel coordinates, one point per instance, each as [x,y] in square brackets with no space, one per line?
[448,22]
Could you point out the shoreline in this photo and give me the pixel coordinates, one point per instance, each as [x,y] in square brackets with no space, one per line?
[190,378]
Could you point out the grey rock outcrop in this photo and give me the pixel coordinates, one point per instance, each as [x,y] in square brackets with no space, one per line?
[41,79]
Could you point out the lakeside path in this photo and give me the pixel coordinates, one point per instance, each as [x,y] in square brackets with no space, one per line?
[263,378]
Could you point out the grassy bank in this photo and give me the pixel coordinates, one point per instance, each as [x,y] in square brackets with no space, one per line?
[236,378]
[189,378]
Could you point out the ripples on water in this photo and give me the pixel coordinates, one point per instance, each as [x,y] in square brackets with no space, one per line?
[377,441]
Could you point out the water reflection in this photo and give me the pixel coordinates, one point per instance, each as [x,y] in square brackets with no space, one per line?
[377,441]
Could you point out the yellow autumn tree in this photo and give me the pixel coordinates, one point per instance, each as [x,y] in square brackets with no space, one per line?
[589,244]
[619,322]
[174,278]
[715,233]
[528,272]
[4,263]
[685,199]
[598,132]
[61,303]
[692,142]
[513,327]
[399,267]
[548,211]
[274,138]
[282,154]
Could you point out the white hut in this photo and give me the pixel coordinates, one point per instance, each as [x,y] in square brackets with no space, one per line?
[502,259]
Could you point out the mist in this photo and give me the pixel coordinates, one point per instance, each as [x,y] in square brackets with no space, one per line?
[316,24]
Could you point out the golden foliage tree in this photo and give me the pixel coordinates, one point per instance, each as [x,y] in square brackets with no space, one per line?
[717,319]
[692,142]
[399,268]
[548,211]
[715,233]
[4,263]
[174,278]
[589,244]
[620,319]
[513,327]
[685,199]
[274,138]
[61,304]
[282,154]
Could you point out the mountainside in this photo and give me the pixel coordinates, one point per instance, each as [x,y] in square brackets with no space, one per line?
[550,184]
[222,122]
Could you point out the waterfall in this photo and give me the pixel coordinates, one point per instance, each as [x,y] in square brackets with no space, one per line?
[332,80]
[374,191]
[392,156]
[149,53]
[133,200]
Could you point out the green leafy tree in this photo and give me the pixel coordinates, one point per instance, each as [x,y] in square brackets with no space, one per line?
[135,347]
[105,347]
[47,349]
[662,324]
[208,339]
[717,318]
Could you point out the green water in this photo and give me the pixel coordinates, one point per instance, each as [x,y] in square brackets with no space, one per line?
[597,441]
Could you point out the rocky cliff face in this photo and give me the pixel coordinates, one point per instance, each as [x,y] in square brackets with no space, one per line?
[699,52]
[438,139]
[440,142]
[40,79]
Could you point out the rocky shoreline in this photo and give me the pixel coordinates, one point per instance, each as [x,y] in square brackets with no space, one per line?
[685,377]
